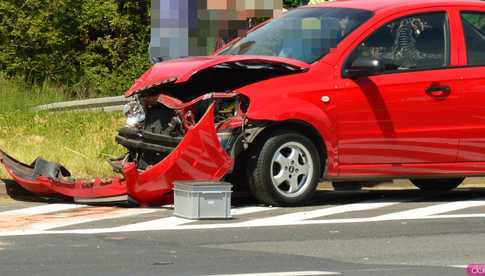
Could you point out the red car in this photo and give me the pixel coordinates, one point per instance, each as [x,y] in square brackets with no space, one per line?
[343,91]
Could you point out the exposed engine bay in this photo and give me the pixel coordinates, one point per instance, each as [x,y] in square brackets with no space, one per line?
[156,124]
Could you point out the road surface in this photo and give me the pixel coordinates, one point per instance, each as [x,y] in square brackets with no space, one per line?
[371,232]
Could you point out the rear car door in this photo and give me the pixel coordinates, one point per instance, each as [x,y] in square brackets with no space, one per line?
[406,114]
[472,142]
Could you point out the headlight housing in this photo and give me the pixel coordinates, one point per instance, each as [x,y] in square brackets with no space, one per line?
[135,114]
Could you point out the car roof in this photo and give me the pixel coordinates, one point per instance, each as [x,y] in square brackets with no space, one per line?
[375,5]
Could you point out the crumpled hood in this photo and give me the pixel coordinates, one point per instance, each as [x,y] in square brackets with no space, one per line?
[181,70]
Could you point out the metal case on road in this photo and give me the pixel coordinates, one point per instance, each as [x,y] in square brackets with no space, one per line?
[202,199]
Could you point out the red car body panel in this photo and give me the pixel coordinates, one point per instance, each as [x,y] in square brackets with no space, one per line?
[199,156]
[377,119]
[472,142]
[386,126]
[180,70]
[383,126]
[298,98]
[430,137]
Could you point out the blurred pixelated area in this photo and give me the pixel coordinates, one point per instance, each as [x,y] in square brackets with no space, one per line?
[197,27]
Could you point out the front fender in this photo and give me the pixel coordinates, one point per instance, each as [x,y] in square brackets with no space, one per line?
[311,111]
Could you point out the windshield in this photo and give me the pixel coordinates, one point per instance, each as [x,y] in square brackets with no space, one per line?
[306,34]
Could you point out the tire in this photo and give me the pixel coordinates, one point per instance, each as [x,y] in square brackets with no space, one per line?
[284,169]
[437,184]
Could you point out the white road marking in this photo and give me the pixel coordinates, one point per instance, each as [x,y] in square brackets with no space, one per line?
[47,223]
[68,221]
[168,222]
[292,273]
[250,210]
[228,225]
[299,216]
[152,225]
[39,223]
[289,219]
[433,210]
[458,216]
[43,209]
[458,266]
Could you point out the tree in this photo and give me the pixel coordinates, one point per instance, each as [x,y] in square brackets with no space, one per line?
[94,46]
[294,3]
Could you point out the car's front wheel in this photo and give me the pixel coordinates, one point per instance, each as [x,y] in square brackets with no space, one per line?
[284,169]
[437,184]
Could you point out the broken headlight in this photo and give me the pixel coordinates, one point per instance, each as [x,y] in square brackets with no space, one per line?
[135,114]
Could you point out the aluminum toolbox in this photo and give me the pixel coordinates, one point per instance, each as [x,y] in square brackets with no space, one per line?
[202,199]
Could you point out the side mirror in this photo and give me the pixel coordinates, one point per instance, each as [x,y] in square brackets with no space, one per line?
[364,67]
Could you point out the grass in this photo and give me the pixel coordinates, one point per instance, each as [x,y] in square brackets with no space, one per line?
[81,141]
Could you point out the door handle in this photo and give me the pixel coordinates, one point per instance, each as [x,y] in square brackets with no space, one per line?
[438,90]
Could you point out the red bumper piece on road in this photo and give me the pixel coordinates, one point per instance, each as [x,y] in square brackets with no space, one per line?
[199,156]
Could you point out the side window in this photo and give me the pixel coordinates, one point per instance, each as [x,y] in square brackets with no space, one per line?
[474,28]
[410,43]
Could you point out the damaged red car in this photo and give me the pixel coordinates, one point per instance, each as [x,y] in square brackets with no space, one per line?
[343,91]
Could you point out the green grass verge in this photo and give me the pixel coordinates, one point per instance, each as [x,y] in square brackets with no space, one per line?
[82,141]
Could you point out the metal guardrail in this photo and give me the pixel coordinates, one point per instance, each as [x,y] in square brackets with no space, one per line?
[109,104]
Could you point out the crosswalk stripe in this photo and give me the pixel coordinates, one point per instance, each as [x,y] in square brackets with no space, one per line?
[173,223]
[47,219]
[458,266]
[433,210]
[289,219]
[166,223]
[42,221]
[250,210]
[87,217]
[457,216]
[42,209]
[299,216]
[291,273]
[151,225]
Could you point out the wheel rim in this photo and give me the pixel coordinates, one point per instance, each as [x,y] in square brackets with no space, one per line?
[291,169]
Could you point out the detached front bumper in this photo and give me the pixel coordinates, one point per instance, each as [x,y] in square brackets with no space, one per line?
[199,156]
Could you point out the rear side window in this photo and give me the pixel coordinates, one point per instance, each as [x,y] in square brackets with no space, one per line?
[474,28]
[416,42]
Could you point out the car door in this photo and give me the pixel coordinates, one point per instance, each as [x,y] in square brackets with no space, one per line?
[406,113]
[472,142]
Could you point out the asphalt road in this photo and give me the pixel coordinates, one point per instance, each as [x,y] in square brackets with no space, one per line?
[372,232]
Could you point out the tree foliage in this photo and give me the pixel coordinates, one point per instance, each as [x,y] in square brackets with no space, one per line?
[294,3]
[93,46]
[477,20]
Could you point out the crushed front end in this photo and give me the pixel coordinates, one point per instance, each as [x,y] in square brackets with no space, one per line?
[192,140]
[168,141]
